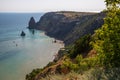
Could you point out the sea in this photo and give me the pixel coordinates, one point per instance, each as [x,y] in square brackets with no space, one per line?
[20,55]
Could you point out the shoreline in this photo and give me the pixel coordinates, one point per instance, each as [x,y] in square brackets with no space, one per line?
[57,46]
[55,41]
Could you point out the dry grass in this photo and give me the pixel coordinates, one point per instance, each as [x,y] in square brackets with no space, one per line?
[92,74]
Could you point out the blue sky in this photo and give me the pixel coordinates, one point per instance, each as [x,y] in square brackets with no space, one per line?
[51,5]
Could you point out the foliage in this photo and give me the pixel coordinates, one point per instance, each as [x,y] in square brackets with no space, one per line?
[79,58]
[107,39]
[80,46]
[91,74]
[112,2]
[32,75]
[70,65]
[80,64]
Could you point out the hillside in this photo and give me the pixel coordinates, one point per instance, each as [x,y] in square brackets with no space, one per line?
[87,55]
[69,25]
[91,57]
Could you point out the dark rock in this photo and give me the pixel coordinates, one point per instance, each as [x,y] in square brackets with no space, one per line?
[55,41]
[23,33]
[69,26]
[32,23]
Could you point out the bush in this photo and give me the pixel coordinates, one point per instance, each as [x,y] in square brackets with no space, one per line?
[32,75]
[70,65]
[82,45]
[79,58]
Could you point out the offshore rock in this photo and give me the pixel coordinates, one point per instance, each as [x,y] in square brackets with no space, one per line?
[23,33]
[32,23]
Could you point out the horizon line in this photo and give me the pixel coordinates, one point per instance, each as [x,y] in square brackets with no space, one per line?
[45,11]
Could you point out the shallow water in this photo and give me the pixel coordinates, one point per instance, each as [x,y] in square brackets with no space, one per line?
[20,55]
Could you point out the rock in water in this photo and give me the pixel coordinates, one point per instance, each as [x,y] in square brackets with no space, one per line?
[31,24]
[22,33]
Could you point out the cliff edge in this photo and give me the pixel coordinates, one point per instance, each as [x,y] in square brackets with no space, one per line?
[69,26]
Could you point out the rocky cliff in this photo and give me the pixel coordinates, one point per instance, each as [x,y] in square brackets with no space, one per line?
[69,26]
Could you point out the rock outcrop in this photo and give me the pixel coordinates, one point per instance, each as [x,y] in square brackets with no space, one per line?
[32,23]
[22,33]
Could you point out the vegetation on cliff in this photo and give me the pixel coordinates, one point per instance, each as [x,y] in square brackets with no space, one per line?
[107,39]
[91,57]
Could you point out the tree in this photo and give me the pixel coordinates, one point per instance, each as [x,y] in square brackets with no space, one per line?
[107,38]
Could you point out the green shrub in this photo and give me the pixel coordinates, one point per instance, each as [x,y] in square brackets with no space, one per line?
[81,45]
[70,65]
[78,58]
[107,38]
[32,75]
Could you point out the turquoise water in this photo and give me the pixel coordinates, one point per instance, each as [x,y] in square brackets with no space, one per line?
[19,55]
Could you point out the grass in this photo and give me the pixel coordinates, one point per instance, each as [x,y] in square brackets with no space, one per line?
[92,74]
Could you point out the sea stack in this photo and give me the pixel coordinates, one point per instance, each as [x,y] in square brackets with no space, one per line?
[22,33]
[31,24]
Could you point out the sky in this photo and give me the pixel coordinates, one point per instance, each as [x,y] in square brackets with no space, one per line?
[51,5]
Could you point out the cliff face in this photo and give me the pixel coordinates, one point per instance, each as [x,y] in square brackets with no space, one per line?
[69,26]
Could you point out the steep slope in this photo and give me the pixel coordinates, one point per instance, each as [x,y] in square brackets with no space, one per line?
[86,25]
[69,26]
